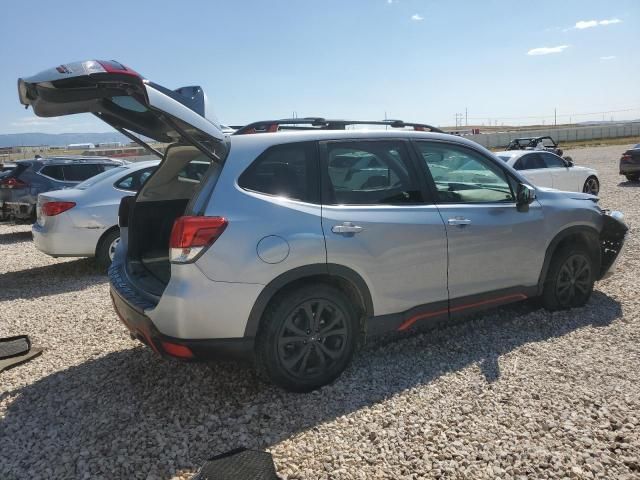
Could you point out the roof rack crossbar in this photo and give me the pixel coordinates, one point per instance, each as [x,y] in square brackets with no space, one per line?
[320,123]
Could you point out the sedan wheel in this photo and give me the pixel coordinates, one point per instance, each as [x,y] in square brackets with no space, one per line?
[591,186]
[112,248]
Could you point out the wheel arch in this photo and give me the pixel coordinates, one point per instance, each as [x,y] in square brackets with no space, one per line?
[344,278]
[580,234]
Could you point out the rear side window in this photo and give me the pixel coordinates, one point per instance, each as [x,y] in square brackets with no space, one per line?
[531,161]
[370,173]
[285,170]
[53,171]
[134,181]
[80,172]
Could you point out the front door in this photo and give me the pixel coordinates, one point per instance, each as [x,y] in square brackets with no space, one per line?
[493,248]
[377,221]
[532,166]
[561,176]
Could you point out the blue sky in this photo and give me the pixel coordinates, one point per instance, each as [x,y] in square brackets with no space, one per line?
[419,60]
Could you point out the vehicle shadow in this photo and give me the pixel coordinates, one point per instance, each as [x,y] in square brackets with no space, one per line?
[15,237]
[115,415]
[51,279]
[629,184]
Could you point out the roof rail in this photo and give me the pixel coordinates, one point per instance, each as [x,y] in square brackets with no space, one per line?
[319,123]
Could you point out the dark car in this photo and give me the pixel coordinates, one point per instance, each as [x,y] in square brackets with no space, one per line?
[19,188]
[630,164]
[536,143]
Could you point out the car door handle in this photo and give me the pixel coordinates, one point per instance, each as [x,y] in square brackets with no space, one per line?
[459,221]
[346,227]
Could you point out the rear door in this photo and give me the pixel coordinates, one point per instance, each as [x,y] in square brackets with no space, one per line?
[125,100]
[532,166]
[378,221]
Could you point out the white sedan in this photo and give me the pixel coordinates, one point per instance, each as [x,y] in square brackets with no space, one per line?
[83,221]
[546,169]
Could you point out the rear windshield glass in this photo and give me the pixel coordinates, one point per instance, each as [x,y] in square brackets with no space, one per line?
[98,178]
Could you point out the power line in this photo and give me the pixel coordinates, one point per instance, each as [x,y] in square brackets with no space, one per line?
[484,117]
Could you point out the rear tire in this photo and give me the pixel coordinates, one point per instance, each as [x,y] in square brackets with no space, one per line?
[307,338]
[591,186]
[570,279]
[633,177]
[106,248]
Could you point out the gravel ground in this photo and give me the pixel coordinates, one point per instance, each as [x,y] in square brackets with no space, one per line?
[516,393]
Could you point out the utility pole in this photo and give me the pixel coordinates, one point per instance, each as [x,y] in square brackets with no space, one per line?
[555,118]
[466,119]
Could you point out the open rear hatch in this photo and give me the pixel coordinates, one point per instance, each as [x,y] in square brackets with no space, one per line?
[139,108]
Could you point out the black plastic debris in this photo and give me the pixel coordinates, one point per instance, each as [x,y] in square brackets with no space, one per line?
[16,350]
[239,464]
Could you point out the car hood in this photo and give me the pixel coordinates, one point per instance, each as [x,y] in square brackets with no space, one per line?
[551,193]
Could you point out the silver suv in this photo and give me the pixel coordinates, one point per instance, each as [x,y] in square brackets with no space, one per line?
[296,245]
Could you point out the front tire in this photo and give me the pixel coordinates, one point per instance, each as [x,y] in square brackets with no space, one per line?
[570,279]
[591,186]
[307,338]
[106,248]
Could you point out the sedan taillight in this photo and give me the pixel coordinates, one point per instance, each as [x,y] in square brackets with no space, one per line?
[191,236]
[51,209]
[625,157]
[13,182]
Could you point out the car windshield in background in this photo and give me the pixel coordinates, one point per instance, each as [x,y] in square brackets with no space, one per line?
[98,178]
[637,146]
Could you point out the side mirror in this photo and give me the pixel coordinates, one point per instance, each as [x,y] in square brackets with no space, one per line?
[524,196]
[569,161]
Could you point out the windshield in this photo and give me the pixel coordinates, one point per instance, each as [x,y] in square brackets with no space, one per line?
[101,176]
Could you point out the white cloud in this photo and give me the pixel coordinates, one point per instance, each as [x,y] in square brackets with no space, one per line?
[417,17]
[392,1]
[547,50]
[582,24]
[613,21]
[609,57]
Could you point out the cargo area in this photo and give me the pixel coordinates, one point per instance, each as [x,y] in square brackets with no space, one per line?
[167,195]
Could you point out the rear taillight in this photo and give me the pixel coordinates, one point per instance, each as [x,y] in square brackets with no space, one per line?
[13,182]
[625,157]
[111,66]
[51,209]
[191,236]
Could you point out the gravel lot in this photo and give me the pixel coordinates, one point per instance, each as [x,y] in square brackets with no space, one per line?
[516,393]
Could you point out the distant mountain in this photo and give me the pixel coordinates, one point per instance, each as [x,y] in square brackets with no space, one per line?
[58,139]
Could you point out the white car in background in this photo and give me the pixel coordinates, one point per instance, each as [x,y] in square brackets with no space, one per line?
[546,169]
[83,221]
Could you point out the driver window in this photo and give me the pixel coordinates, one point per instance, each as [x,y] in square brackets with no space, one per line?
[464,176]
[370,173]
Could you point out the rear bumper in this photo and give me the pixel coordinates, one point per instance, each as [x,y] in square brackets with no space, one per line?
[19,210]
[141,327]
[629,168]
[64,239]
